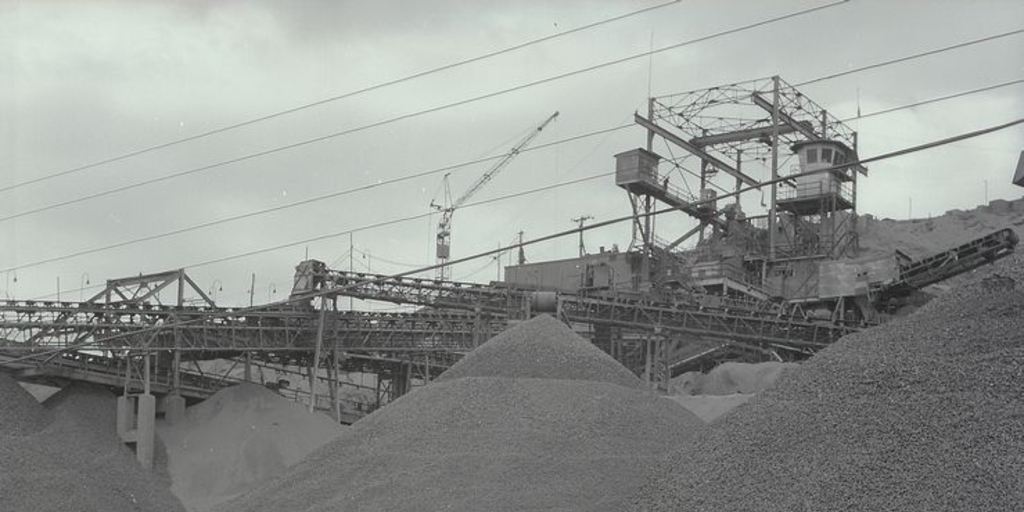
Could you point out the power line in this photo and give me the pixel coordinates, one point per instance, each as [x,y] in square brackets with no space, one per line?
[911,57]
[342,96]
[452,168]
[935,100]
[411,115]
[369,227]
[388,261]
[332,195]
[304,297]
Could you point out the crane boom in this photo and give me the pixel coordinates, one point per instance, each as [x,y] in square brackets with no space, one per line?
[444,227]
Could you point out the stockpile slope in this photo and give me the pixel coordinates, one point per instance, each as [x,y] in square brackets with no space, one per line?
[19,412]
[542,348]
[922,414]
[711,407]
[94,408]
[72,464]
[509,443]
[237,438]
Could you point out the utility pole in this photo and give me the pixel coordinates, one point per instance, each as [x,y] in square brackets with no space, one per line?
[581,220]
[252,289]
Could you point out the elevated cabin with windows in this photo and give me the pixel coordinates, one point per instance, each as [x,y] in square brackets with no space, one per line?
[828,190]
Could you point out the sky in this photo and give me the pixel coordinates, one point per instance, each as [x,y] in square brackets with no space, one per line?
[82,82]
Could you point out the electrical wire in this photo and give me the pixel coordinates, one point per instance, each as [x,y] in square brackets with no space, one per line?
[438,170]
[332,195]
[911,57]
[385,260]
[934,100]
[330,99]
[309,296]
[411,115]
[369,227]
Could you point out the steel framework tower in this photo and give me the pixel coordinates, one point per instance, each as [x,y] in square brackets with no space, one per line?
[744,130]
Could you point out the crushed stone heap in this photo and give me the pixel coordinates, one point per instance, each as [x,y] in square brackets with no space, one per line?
[74,463]
[235,439]
[921,414]
[473,442]
[543,348]
[19,413]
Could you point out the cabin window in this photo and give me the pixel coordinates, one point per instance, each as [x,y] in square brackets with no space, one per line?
[812,156]
[840,158]
[826,156]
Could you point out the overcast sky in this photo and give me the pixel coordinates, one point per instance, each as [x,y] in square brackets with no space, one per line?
[86,81]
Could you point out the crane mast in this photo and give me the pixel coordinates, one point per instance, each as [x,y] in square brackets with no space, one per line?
[444,226]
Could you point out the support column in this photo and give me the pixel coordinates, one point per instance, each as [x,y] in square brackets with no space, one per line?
[145,428]
[247,370]
[775,169]
[333,378]
[648,361]
[315,364]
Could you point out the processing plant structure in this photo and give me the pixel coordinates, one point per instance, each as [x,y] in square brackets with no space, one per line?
[774,285]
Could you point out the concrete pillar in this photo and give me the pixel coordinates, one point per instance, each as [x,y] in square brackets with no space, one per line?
[174,408]
[125,416]
[248,367]
[145,430]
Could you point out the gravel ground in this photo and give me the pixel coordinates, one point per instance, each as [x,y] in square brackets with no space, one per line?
[543,348]
[481,443]
[921,414]
[75,464]
[19,413]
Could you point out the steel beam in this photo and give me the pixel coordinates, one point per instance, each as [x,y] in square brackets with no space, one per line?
[677,140]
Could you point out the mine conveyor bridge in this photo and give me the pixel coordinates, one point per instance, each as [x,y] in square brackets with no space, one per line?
[916,274]
[623,310]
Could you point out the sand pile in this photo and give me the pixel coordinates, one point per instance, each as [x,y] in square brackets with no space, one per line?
[525,440]
[236,438]
[71,464]
[19,412]
[542,348]
[922,414]
[710,407]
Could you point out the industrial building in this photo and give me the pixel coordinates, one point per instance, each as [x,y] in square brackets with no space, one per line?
[749,243]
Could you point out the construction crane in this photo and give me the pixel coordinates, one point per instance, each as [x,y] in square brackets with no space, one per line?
[444,227]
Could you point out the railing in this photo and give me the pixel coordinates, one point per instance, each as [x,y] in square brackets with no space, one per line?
[816,190]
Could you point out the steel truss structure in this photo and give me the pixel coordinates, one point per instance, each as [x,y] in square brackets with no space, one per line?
[166,319]
[666,335]
[742,130]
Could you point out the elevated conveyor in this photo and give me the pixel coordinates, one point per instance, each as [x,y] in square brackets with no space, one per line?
[916,274]
[622,310]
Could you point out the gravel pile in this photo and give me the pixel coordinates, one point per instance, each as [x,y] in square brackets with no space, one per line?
[19,413]
[921,414]
[542,348]
[477,443]
[74,463]
[235,439]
